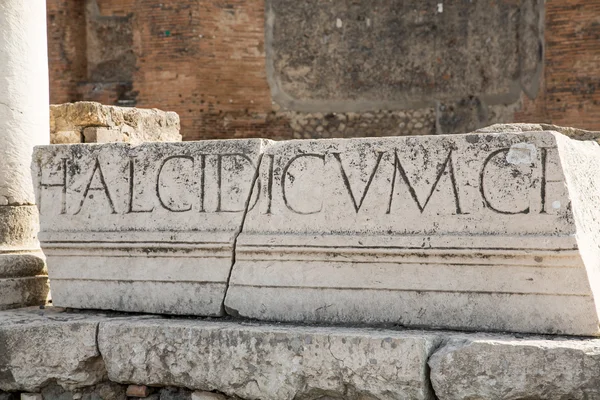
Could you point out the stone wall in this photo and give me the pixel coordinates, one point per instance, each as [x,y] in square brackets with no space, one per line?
[213,58]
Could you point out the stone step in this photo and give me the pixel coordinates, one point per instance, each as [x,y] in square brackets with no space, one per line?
[250,360]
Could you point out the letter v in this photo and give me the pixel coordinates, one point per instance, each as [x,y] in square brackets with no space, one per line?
[347,182]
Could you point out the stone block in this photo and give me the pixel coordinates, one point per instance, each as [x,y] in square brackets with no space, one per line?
[147,228]
[23,278]
[207,396]
[31,396]
[352,60]
[40,346]
[68,123]
[487,232]
[269,362]
[102,135]
[503,368]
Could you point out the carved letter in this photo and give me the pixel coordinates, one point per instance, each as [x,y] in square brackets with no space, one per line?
[544,180]
[63,208]
[220,181]
[103,188]
[441,168]
[358,205]
[270,184]
[283,181]
[202,181]
[132,188]
[482,189]
[162,203]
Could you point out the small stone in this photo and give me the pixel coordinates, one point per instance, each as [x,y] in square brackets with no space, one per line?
[418,125]
[174,393]
[66,137]
[31,396]
[368,116]
[342,127]
[207,396]
[320,129]
[138,391]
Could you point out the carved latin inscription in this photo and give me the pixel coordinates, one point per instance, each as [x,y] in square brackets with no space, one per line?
[396,177]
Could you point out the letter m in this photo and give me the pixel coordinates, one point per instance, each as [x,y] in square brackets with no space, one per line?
[446,165]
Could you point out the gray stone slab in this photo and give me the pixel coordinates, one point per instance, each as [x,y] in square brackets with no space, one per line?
[269,362]
[146,228]
[361,56]
[42,346]
[503,368]
[493,232]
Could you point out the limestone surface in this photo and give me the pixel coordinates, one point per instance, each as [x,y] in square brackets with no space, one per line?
[491,231]
[504,368]
[92,122]
[147,228]
[41,346]
[269,362]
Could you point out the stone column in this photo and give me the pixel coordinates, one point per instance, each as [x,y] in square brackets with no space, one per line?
[24,103]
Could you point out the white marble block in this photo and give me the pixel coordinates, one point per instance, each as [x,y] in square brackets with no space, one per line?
[478,232]
[146,228]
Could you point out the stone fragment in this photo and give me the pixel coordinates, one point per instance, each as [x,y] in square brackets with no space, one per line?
[173,393]
[147,228]
[39,346]
[504,368]
[31,396]
[68,123]
[486,232]
[138,391]
[269,362]
[207,396]
[8,396]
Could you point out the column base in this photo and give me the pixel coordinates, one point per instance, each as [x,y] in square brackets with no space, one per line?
[24,291]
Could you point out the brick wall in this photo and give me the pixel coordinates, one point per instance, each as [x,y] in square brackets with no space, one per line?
[205,59]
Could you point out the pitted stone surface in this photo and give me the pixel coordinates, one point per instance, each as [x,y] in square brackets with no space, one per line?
[69,355]
[490,232]
[269,362]
[501,368]
[92,122]
[146,228]
[41,346]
